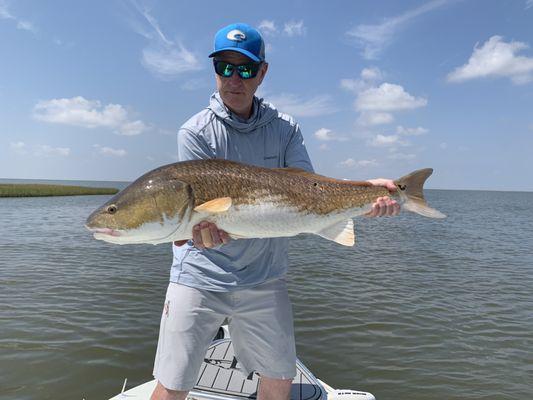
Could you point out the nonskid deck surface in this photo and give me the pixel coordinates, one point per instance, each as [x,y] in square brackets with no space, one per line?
[221,378]
[220,374]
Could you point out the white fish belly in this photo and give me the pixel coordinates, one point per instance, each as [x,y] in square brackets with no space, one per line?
[273,219]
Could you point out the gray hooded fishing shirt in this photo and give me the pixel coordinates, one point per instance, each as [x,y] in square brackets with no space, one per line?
[267,139]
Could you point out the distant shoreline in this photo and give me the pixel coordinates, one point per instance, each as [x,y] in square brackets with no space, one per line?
[42,190]
[123,184]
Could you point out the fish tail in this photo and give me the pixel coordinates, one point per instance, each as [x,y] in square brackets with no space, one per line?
[410,189]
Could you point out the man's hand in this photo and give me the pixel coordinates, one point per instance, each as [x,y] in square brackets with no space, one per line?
[206,235]
[384,206]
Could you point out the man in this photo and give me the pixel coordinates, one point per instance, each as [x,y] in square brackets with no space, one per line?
[213,277]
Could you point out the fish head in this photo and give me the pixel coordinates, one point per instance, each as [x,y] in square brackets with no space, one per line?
[150,210]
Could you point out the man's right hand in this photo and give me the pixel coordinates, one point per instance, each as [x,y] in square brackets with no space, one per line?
[206,235]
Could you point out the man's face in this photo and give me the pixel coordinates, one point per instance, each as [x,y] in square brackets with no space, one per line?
[238,93]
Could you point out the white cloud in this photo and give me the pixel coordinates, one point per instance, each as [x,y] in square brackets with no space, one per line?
[294,28]
[39,149]
[367,163]
[369,118]
[268,27]
[386,141]
[496,58]
[18,147]
[371,74]
[400,130]
[46,150]
[376,104]
[21,24]
[352,85]
[323,147]
[26,26]
[350,162]
[297,107]
[443,145]
[368,77]
[392,142]
[78,111]
[324,134]
[327,135]
[387,97]
[154,31]
[167,61]
[112,152]
[132,128]
[4,12]
[163,57]
[529,4]
[374,38]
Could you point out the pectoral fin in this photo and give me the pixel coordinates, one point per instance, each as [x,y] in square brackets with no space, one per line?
[214,206]
[342,233]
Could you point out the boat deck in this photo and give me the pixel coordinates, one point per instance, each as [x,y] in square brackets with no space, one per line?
[221,378]
[220,374]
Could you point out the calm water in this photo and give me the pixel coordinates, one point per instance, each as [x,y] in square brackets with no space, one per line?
[419,309]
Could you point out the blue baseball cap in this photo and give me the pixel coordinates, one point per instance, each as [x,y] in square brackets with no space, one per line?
[241,38]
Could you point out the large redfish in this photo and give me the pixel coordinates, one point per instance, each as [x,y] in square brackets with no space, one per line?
[246,201]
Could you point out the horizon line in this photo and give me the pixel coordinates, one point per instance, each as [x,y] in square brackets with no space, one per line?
[130,181]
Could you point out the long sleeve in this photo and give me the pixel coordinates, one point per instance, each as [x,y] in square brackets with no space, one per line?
[192,146]
[296,155]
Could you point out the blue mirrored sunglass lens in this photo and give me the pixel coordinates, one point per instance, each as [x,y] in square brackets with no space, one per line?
[227,69]
[223,69]
[245,72]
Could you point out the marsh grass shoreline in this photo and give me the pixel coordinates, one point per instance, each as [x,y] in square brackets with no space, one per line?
[41,190]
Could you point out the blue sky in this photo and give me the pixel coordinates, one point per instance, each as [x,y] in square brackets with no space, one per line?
[96,90]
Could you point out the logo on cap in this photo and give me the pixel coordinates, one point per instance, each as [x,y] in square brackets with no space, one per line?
[236,35]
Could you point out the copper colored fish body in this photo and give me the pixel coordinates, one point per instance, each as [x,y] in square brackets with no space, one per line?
[246,201]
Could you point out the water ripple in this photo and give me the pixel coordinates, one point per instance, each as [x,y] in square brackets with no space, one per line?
[419,309]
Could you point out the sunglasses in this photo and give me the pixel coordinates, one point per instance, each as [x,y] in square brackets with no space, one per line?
[245,71]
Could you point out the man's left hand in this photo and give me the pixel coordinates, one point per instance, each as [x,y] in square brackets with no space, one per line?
[384,206]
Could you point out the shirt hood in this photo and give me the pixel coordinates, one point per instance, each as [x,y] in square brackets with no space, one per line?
[262,114]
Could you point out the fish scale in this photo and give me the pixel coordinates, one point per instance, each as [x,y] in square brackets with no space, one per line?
[244,183]
[246,201]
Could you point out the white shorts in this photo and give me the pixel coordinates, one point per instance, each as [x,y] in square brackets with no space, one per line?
[259,321]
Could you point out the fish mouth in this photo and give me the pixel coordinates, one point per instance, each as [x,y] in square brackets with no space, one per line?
[104,231]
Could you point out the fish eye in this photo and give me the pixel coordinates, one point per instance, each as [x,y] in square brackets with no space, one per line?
[402,187]
[111,209]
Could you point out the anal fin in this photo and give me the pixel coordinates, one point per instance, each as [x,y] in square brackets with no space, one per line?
[341,232]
